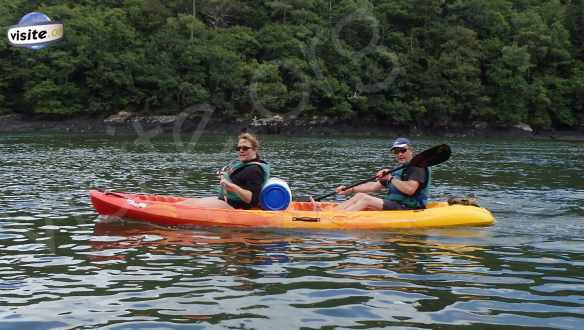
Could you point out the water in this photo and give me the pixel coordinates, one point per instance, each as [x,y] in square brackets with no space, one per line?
[62,267]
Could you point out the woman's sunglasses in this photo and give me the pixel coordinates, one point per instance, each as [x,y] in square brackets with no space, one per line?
[244,148]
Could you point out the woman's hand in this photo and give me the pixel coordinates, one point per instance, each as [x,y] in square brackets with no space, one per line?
[228,186]
[221,175]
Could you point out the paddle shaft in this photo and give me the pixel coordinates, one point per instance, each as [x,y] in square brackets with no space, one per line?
[359,183]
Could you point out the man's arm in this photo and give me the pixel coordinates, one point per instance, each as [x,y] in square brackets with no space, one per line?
[362,188]
[416,177]
[407,187]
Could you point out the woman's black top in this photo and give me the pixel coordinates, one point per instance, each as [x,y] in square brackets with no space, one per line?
[249,178]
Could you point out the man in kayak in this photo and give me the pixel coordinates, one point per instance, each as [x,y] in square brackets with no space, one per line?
[407,189]
[240,183]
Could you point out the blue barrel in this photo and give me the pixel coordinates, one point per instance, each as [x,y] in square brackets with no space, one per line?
[275,195]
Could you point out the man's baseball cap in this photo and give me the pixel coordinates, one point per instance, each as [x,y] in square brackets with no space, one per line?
[401,143]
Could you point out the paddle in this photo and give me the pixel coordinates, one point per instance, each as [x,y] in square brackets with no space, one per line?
[430,157]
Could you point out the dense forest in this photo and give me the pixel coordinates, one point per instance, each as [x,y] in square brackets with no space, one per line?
[429,63]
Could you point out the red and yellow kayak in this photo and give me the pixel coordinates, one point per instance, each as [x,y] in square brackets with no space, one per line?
[168,211]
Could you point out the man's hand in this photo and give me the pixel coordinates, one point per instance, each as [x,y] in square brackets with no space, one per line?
[342,190]
[384,175]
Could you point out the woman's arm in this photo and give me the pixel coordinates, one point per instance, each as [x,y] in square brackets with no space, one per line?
[245,195]
[247,184]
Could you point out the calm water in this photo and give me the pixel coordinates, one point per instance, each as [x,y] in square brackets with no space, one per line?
[61,266]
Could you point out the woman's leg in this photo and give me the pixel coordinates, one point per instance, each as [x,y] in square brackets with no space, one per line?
[206,203]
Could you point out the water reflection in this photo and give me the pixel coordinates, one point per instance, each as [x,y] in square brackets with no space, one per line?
[238,247]
[328,277]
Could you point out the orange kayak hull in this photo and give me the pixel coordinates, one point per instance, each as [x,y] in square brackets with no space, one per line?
[171,211]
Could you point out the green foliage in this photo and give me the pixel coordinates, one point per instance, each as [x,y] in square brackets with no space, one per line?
[487,18]
[509,79]
[268,89]
[575,24]
[428,63]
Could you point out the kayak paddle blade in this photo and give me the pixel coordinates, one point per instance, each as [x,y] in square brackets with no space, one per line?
[433,156]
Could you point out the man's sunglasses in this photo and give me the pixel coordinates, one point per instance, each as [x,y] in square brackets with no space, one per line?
[399,150]
[244,148]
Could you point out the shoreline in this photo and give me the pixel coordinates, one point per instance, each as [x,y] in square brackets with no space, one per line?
[123,124]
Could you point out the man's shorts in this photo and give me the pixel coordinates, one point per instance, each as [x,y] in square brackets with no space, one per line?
[393,205]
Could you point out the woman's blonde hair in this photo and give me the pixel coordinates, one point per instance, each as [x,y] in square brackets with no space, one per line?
[251,138]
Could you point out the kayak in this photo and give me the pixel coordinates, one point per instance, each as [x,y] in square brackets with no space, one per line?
[170,211]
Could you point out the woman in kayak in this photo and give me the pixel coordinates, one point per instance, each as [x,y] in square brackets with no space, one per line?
[407,189]
[240,184]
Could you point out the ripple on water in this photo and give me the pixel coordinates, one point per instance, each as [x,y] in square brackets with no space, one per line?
[572,246]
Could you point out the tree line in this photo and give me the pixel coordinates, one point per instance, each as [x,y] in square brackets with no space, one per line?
[428,63]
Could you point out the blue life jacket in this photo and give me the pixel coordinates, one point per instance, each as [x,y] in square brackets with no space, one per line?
[416,201]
